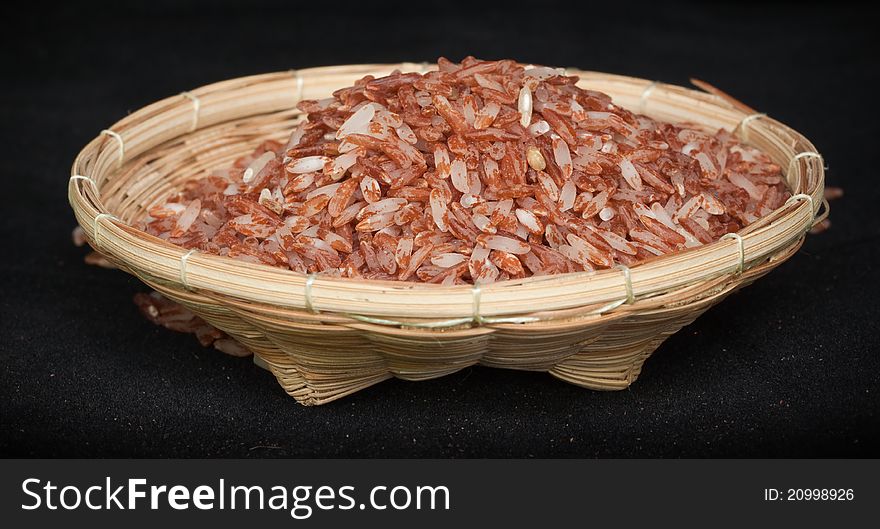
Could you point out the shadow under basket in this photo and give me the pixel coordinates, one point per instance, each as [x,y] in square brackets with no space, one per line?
[325,338]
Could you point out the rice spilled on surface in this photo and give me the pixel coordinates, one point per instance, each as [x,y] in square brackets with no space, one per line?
[479,172]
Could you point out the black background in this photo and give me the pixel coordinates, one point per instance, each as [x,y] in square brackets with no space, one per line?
[787,367]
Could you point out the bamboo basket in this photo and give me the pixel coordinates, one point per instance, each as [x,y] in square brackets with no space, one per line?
[325,338]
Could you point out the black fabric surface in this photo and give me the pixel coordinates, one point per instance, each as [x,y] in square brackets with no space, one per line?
[786,367]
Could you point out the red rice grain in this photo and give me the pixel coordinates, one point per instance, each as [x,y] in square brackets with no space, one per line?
[479,172]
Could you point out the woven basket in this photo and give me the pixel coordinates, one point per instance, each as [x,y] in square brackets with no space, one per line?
[325,338]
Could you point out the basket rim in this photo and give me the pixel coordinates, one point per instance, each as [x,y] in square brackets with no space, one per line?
[420,304]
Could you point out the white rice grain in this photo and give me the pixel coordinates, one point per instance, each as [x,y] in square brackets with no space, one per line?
[256,166]
[357,123]
[630,174]
[308,164]
[524,105]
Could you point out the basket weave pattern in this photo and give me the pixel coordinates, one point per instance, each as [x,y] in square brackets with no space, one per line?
[325,338]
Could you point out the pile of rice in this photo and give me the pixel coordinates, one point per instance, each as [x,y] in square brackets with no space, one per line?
[478,172]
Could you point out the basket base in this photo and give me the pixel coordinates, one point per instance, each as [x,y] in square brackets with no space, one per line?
[604,352]
[600,362]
